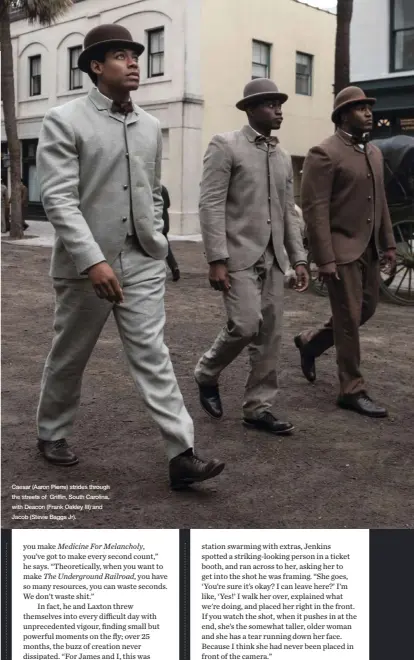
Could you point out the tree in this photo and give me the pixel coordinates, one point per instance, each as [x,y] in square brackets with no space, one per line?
[44,12]
[343,28]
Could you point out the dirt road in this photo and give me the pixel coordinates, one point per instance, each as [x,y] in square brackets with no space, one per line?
[338,470]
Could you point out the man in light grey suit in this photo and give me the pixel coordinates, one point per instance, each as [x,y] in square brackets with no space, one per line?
[99,168]
[247,216]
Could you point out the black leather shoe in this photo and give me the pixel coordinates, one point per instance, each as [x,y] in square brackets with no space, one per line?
[187,468]
[267,422]
[210,400]
[176,275]
[57,452]
[362,404]
[307,362]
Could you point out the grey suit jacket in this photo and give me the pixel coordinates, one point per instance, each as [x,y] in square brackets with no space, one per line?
[246,200]
[98,171]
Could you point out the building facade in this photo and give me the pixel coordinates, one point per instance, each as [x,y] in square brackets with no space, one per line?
[382,61]
[199,55]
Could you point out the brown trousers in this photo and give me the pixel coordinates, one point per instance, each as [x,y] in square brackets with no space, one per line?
[353,301]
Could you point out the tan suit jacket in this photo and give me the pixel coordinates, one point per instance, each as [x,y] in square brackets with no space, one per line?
[98,170]
[343,200]
[247,200]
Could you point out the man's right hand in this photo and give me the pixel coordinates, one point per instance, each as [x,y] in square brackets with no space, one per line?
[219,277]
[105,282]
[328,272]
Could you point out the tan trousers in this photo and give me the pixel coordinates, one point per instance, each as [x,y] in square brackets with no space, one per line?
[254,307]
[353,300]
[79,319]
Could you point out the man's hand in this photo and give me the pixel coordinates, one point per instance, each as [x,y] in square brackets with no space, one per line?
[302,278]
[219,277]
[328,272]
[105,282]
[389,261]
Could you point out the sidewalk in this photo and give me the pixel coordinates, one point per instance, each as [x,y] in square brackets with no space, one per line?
[41,234]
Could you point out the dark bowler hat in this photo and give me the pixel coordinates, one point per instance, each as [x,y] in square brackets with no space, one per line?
[258,89]
[103,38]
[347,97]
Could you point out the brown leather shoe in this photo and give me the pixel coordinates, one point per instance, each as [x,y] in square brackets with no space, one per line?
[307,362]
[57,452]
[187,468]
[362,404]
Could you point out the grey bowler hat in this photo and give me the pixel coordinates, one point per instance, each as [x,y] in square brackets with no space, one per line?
[260,88]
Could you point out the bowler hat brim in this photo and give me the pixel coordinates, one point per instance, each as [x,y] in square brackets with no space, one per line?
[87,55]
[348,104]
[248,100]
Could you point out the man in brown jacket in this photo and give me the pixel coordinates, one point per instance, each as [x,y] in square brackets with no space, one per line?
[348,224]
[247,216]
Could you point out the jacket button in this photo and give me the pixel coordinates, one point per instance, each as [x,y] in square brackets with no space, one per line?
[369,197]
[369,220]
[124,219]
[369,176]
[127,155]
[269,221]
[126,188]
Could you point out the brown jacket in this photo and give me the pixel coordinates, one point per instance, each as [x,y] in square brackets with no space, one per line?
[246,199]
[343,199]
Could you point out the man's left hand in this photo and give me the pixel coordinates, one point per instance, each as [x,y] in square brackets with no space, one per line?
[302,278]
[389,261]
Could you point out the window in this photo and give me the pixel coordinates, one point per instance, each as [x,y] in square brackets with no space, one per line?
[402,35]
[260,60]
[75,74]
[304,65]
[156,52]
[35,76]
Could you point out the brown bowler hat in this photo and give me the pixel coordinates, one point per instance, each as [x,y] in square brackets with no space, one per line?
[103,38]
[258,89]
[349,96]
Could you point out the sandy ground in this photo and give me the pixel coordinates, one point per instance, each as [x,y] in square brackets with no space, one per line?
[338,469]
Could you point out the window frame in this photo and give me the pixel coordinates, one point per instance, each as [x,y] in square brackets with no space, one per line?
[269,57]
[32,77]
[310,58]
[150,33]
[393,40]
[73,69]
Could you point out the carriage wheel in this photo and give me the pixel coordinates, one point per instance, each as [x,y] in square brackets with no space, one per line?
[399,287]
[315,285]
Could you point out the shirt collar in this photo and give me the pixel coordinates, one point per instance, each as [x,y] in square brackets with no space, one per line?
[252,134]
[102,102]
[351,139]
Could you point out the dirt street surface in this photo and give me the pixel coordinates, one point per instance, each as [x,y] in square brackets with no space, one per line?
[337,470]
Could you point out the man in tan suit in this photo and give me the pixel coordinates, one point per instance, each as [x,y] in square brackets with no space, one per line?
[99,167]
[247,216]
[348,223]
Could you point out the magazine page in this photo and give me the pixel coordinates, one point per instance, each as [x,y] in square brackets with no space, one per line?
[207,240]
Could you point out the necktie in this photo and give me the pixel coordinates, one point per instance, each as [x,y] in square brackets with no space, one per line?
[267,140]
[123,108]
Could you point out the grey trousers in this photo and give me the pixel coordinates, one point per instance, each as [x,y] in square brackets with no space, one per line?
[254,307]
[79,319]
